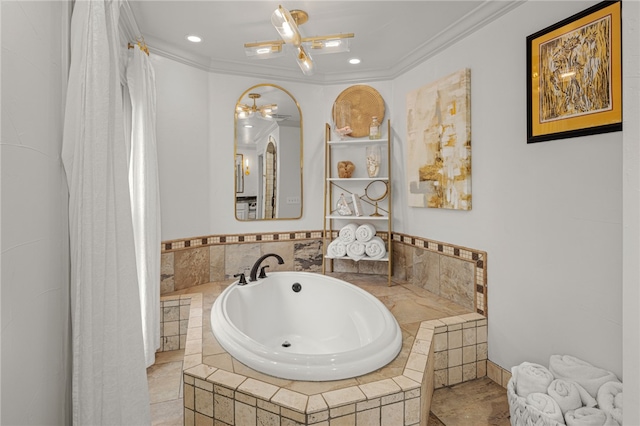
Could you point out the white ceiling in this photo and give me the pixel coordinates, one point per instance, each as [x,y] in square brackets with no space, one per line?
[390,36]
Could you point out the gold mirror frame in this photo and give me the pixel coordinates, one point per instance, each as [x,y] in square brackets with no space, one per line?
[268,92]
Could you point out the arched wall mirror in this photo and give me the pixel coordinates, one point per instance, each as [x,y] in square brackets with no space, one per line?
[268,154]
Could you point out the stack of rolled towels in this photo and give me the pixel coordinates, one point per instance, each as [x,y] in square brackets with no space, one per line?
[571,391]
[357,242]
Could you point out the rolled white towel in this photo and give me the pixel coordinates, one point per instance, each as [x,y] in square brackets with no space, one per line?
[375,248]
[530,377]
[356,250]
[610,400]
[589,416]
[365,232]
[569,395]
[571,368]
[348,233]
[337,248]
[546,405]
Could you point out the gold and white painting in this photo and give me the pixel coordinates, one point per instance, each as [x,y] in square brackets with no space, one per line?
[439,143]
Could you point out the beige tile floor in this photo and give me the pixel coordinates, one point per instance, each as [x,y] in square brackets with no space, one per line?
[480,402]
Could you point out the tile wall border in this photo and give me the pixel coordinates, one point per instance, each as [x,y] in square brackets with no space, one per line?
[213,240]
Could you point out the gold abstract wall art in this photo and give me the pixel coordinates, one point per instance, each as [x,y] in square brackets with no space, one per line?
[439,143]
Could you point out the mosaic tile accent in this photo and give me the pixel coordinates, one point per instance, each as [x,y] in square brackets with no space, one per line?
[181,244]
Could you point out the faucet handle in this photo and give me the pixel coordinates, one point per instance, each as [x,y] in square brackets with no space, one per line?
[263,274]
[243,280]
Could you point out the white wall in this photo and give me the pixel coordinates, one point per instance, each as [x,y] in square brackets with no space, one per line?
[35,251]
[289,180]
[631,211]
[549,214]
[182,94]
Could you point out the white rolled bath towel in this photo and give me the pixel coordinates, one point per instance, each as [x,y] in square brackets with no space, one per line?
[375,248]
[610,400]
[571,368]
[589,416]
[348,233]
[546,405]
[356,250]
[365,232]
[569,395]
[337,248]
[530,377]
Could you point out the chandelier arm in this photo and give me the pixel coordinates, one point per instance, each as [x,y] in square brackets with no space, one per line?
[327,37]
[264,43]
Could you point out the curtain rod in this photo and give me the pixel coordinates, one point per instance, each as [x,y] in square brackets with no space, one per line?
[129,28]
[141,44]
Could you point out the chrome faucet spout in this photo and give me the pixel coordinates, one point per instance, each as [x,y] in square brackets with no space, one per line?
[256,266]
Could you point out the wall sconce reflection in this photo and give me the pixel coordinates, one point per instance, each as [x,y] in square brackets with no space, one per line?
[246,166]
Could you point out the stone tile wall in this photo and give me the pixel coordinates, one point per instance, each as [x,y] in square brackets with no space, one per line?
[174,322]
[454,272]
[187,263]
[460,349]
[498,374]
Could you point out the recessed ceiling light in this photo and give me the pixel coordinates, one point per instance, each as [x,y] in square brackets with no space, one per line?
[354,61]
[194,38]
[248,126]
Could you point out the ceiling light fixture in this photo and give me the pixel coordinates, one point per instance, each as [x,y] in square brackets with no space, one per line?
[246,111]
[354,61]
[287,23]
[194,38]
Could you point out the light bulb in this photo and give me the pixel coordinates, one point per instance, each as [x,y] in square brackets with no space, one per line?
[286,26]
[305,62]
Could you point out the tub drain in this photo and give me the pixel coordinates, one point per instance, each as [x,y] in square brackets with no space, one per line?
[286,344]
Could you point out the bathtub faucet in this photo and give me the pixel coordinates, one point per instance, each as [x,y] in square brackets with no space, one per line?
[254,269]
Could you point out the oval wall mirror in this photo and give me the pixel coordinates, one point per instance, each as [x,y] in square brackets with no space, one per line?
[268,154]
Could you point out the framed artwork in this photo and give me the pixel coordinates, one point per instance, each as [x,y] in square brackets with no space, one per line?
[239,174]
[439,143]
[574,78]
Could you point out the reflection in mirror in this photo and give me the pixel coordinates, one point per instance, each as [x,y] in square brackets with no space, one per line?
[239,174]
[270,183]
[268,148]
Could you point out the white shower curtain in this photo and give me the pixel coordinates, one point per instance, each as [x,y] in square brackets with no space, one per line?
[109,383]
[145,198]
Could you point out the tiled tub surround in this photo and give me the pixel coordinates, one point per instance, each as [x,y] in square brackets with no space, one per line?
[174,322]
[442,345]
[195,261]
[453,272]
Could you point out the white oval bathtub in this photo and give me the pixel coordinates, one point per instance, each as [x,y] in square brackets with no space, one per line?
[329,330]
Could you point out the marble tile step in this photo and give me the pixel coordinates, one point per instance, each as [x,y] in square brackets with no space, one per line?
[477,402]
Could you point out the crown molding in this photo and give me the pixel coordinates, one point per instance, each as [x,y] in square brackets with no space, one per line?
[483,14]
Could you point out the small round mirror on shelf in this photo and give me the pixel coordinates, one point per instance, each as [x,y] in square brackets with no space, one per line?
[377,191]
[268,145]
